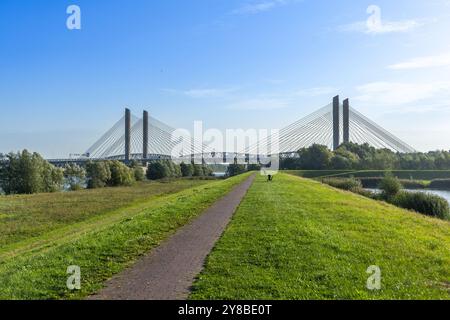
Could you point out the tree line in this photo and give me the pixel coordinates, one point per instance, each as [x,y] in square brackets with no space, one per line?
[27,173]
[351,156]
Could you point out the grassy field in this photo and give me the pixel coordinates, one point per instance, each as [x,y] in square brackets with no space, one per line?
[401,174]
[298,239]
[102,245]
[26,216]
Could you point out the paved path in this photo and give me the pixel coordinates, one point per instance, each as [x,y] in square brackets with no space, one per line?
[167,273]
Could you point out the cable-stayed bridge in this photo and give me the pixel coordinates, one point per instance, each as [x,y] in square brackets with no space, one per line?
[146,138]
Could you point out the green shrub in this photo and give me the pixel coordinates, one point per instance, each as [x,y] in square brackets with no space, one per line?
[157,170]
[440,184]
[348,184]
[75,176]
[254,167]
[138,173]
[425,203]
[121,175]
[207,171]
[98,174]
[390,186]
[26,173]
[198,170]
[374,182]
[235,169]
[187,170]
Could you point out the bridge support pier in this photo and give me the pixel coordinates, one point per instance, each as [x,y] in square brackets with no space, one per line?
[346,119]
[145,137]
[127,135]
[336,127]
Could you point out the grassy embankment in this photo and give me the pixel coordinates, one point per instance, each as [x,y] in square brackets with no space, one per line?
[102,245]
[298,239]
[25,216]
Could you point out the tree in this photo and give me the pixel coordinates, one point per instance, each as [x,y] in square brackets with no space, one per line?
[121,175]
[390,186]
[138,173]
[198,170]
[236,169]
[52,177]
[316,157]
[98,174]
[75,176]
[27,173]
[207,171]
[254,167]
[187,170]
[339,162]
[157,170]
[138,170]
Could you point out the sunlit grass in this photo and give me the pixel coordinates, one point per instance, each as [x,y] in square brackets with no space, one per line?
[25,216]
[298,239]
[101,246]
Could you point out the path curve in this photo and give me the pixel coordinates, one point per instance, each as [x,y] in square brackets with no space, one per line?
[168,272]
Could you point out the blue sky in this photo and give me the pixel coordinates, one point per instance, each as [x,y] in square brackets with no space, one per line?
[230,63]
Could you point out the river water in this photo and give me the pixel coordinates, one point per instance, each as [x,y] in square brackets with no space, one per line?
[442,193]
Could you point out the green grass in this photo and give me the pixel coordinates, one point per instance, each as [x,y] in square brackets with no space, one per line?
[401,174]
[298,239]
[102,245]
[26,216]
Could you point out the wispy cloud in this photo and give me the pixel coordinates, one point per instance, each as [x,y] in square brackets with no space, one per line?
[280,100]
[384,28]
[393,94]
[442,60]
[260,6]
[235,99]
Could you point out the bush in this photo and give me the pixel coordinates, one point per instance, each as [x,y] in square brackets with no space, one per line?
[175,170]
[27,173]
[349,184]
[75,176]
[138,173]
[254,167]
[440,184]
[235,169]
[98,174]
[425,203]
[374,182]
[187,170]
[137,170]
[390,186]
[207,171]
[198,170]
[157,170]
[121,175]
